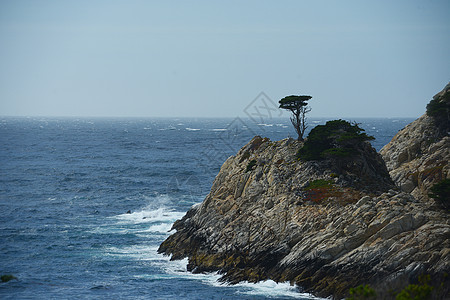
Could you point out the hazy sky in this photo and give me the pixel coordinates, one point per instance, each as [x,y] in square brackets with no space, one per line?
[212,58]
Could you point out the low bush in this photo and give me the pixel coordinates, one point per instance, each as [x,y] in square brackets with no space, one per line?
[441,193]
[336,139]
[439,110]
[417,291]
[362,292]
[319,183]
[423,290]
[321,189]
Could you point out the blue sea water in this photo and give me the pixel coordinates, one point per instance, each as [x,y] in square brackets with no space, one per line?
[67,184]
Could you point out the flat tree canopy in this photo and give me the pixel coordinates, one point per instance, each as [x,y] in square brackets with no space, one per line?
[294,102]
[298,106]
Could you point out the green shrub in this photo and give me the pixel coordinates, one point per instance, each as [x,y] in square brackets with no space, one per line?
[250,166]
[245,156]
[362,292]
[441,192]
[337,152]
[321,189]
[319,183]
[416,291]
[336,139]
[439,110]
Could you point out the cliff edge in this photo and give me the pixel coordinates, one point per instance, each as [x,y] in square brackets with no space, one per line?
[322,225]
[418,156]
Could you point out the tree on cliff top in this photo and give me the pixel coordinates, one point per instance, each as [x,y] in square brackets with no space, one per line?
[336,139]
[298,105]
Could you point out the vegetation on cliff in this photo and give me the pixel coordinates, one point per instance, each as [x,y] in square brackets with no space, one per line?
[298,106]
[439,109]
[421,290]
[418,157]
[336,139]
[441,193]
[343,148]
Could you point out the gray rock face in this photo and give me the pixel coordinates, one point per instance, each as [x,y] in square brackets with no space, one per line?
[288,220]
[419,155]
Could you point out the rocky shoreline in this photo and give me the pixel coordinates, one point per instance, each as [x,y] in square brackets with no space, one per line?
[270,215]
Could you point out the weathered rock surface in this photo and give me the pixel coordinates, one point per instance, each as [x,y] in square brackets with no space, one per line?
[419,155]
[267,222]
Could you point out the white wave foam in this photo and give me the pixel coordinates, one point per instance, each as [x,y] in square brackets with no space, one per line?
[158,228]
[162,214]
[272,289]
[177,269]
[169,269]
[160,221]
[156,212]
[139,252]
[265,288]
[219,129]
[192,129]
[168,128]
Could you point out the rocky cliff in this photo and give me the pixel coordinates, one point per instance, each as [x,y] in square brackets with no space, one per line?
[419,155]
[271,216]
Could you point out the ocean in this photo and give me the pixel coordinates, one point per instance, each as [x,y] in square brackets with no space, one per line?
[85,203]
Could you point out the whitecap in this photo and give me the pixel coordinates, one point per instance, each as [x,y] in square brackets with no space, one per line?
[164,228]
[270,288]
[168,128]
[179,268]
[192,129]
[138,252]
[219,129]
[161,214]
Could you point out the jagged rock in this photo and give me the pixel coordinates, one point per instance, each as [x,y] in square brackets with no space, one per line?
[419,155]
[265,222]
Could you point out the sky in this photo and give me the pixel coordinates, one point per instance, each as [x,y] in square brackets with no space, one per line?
[194,58]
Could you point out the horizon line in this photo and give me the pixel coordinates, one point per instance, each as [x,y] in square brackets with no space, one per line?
[195,117]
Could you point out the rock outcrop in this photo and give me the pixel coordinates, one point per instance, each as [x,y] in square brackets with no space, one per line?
[270,216]
[419,155]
